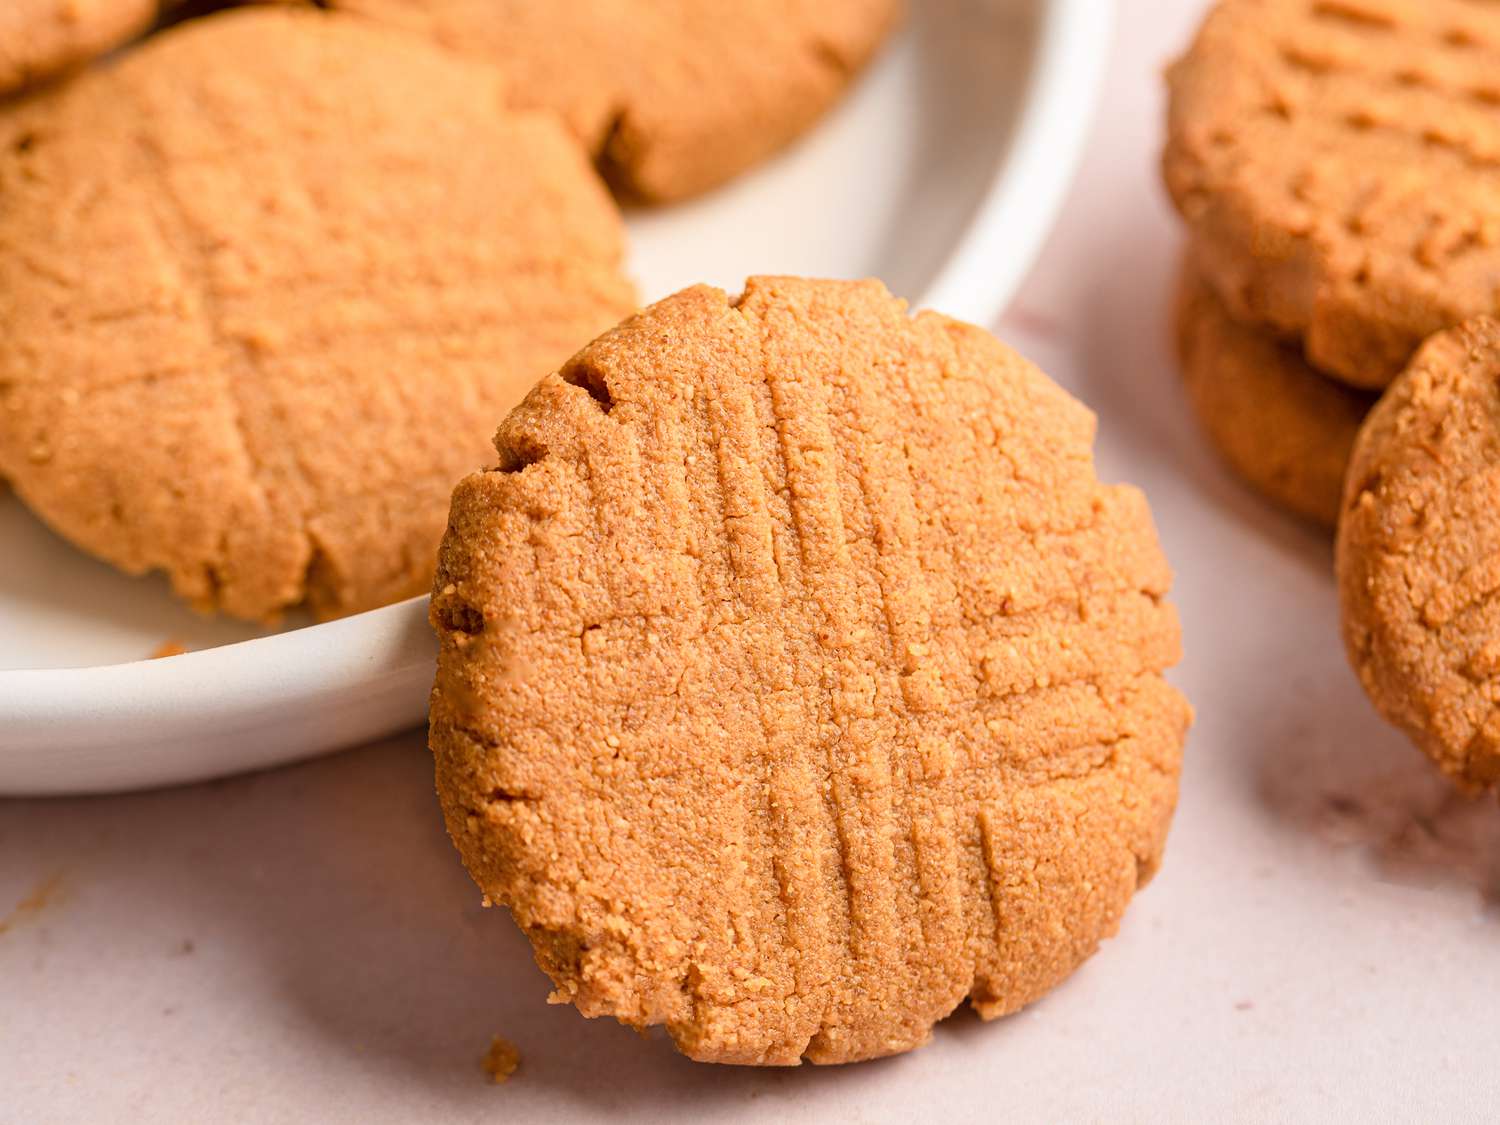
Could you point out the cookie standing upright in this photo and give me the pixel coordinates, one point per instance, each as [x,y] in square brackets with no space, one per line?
[1419,553]
[1338,165]
[1285,429]
[673,96]
[271,279]
[798,678]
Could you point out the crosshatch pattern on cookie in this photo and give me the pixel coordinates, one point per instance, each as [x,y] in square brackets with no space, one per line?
[798,678]
[264,304]
[1339,163]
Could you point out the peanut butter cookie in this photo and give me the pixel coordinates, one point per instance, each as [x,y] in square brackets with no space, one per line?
[1419,553]
[42,38]
[1338,164]
[1286,430]
[798,678]
[269,280]
[672,96]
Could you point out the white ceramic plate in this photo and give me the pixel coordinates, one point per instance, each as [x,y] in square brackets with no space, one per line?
[940,174]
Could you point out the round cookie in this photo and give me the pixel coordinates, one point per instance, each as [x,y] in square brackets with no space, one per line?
[270,280]
[672,96]
[799,679]
[1338,164]
[1286,430]
[43,38]
[1419,553]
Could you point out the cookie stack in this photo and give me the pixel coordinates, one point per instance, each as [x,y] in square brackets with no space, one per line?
[1338,168]
[272,277]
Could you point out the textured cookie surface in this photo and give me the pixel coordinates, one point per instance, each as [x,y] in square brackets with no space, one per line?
[1338,163]
[799,679]
[269,280]
[673,96]
[1286,430]
[42,38]
[1419,553]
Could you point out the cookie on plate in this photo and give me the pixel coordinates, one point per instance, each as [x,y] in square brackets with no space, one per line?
[799,679]
[43,38]
[1338,165]
[1419,553]
[269,281]
[1286,430]
[672,96]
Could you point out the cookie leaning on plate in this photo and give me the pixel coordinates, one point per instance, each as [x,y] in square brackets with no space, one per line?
[1419,553]
[269,281]
[672,96]
[1338,165]
[1286,430]
[798,678]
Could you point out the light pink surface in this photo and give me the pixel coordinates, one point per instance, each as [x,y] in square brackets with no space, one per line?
[1323,941]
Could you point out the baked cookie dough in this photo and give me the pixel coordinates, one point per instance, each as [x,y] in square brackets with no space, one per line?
[799,679]
[269,280]
[43,38]
[672,96]
[1338,165]
[1286,430]
[1419,553]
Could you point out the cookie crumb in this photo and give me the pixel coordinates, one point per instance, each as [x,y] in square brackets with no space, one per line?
[169,647]
[501,1060]
[41,896]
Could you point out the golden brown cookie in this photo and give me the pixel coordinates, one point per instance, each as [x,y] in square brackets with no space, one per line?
[798,678]
[269,280]
[672,96]
[1286,430]
[42,38]
[1338,163]
[1419,553]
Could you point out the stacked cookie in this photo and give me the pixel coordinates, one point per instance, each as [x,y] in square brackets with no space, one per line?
[1338,168]
[1336,165]
[272,277]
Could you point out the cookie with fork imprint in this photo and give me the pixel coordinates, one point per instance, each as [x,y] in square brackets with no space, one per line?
[672,96]
[1419,553]
[1284,429]
[1338,165]
[799,679]
[270,279]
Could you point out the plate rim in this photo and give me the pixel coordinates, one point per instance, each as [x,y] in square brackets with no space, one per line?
[990,258]
[1034,175]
